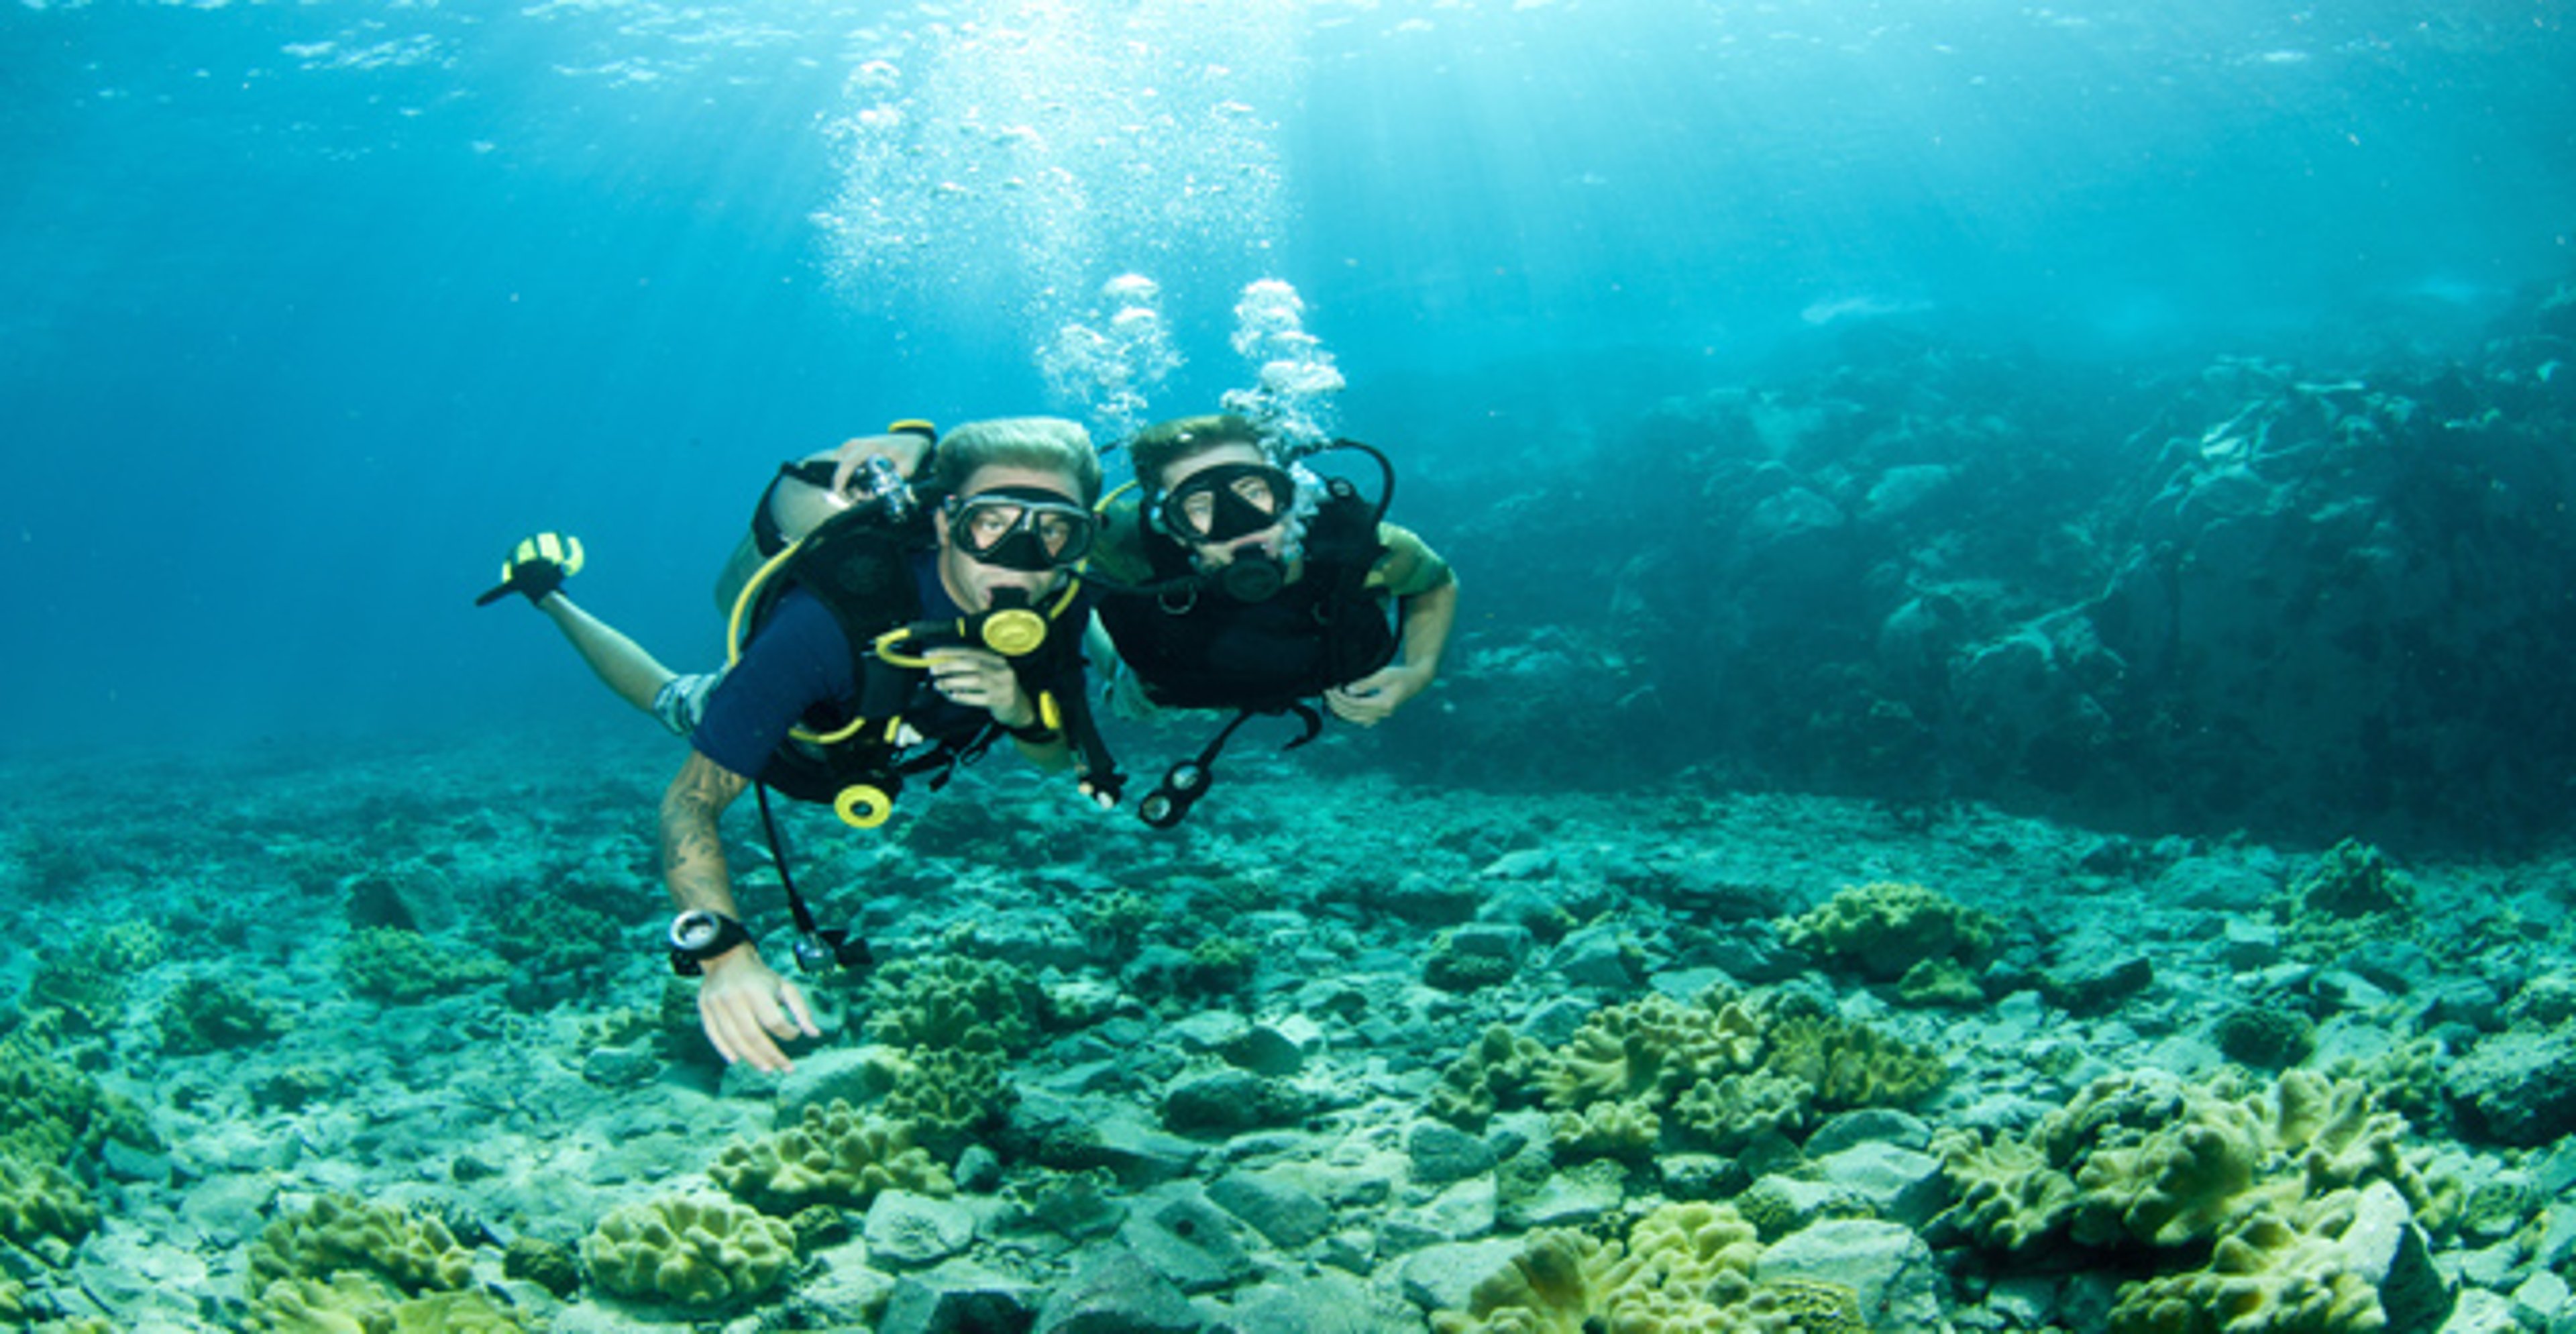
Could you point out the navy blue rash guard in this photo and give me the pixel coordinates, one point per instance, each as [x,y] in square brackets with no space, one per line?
[800,659]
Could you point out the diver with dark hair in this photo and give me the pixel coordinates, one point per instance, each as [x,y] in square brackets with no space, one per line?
[896,636]
[1238,578]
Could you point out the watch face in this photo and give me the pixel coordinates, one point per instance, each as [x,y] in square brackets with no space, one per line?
[695,929]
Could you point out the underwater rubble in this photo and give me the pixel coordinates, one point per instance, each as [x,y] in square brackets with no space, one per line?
[387,1044]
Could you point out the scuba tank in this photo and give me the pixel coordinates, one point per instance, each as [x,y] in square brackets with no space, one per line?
[800,498]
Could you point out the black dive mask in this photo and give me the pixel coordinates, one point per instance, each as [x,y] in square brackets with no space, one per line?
[1254,575]
[1228,501]
[1021,528]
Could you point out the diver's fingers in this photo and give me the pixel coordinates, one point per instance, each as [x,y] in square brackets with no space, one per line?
[794,1002]
[1360,710]
[719,1026]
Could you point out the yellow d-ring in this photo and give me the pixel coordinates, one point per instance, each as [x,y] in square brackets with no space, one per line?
[1014,633]
[862,807]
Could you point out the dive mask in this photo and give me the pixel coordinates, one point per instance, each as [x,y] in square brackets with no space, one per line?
[1228,501]
[1021,528]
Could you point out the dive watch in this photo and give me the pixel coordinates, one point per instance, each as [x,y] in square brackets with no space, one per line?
[699,935]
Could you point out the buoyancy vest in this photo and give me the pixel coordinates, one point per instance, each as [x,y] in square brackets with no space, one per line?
[1199,649]
[855,758]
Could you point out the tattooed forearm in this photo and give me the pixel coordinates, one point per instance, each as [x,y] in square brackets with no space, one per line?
[693,863]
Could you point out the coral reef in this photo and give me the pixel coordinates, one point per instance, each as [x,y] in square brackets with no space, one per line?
[833,1155]
[338,1234]
[953,1002]
[687,1251]
[354,1303]
[2167,1171]
[1659,1074]
[550,1265]
[39,1199]
[85,986]
[1886,929]
[1684,1268]
[205,1014]
[50,1111]
[391,964]
[1498,1072]
[2351,895]
[946,1096]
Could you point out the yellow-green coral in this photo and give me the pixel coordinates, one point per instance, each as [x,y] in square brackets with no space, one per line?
[1717,1073]
[1609,1129]
[1683,1269]
[1731,1111]
[340,1233]
[2273,1274]
[1808,1306]
[2352,895]
[689,1251]
[1499,1072]
[2248,1177]
[206,1014]
[353,1303]
[50,1111]
[1651,1049]
[39,1199]
[392,964]
[946,1095]
[954,1002]
[1847,1065]
[2354,879]
[85,986]
[831,1156]
[1886,928]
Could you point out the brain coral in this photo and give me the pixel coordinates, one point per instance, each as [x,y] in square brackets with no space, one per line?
[691,1252]
[1885,928]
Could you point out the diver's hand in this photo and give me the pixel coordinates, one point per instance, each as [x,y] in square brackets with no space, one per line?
[746,1006]
[981,680]
[1373,698]
[536,567]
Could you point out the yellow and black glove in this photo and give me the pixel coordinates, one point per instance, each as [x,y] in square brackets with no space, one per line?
[538,567]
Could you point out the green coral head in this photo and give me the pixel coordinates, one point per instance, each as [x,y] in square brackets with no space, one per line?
[1885,928]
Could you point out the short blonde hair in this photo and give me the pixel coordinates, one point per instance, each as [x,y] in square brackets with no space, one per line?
[1049,444]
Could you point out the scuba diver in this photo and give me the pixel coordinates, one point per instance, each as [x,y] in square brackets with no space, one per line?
[883,635]
[1237,578]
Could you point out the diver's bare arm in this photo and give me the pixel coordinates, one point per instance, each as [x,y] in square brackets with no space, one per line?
[693,863]
[619,662]
[1428,618]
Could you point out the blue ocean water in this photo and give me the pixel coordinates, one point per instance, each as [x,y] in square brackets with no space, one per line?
[308,310]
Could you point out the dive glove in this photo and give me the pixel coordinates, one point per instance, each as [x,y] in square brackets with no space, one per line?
[538,567]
